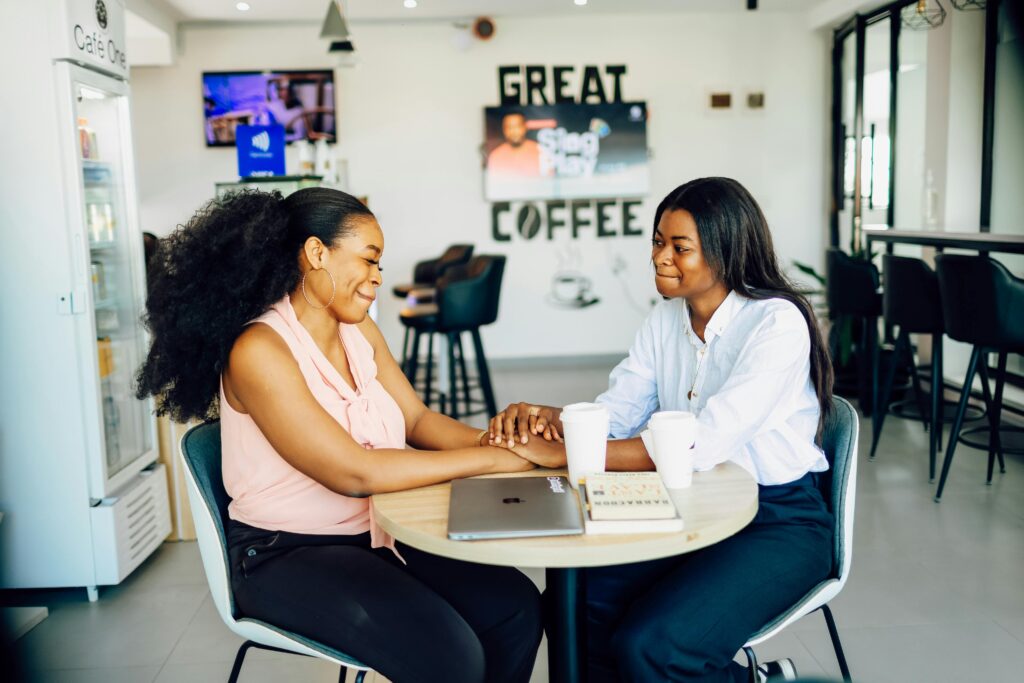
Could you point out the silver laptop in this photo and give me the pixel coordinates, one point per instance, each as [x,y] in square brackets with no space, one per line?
[512,507]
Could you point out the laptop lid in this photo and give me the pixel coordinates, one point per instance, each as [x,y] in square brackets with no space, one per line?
[512,507]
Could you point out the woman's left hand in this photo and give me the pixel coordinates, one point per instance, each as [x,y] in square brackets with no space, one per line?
[543,453]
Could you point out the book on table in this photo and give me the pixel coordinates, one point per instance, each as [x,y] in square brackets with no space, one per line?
[628,503]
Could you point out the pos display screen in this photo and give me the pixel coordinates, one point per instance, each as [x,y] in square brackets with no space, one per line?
[566,151]
[302,102]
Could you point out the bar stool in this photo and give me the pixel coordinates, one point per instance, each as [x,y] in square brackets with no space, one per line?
[911,302]
[425,275]
[466,299]
[981,304]
[851,288]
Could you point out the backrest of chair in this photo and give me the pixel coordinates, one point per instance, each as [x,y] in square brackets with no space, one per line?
[493,291]
[839,484]
[454,255]
[981,300]
[851,284]
[911,296]
[201,450]
[468,294]
[428,272]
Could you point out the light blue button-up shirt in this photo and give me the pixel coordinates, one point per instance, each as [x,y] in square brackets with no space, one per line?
[750,380]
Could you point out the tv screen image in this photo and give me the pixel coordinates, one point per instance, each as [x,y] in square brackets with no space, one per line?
[300,101]
[566,151]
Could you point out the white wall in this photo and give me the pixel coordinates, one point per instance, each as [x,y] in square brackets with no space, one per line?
[966,108]
[411,126]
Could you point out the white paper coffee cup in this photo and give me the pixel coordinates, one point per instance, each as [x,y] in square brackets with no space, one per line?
[585,429]
[672,436]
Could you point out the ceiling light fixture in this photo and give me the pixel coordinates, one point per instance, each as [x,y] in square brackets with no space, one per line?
[580,3]
[410,4]
[242,6]
[921,17]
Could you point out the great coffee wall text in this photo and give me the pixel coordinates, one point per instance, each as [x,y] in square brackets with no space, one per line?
[601,218]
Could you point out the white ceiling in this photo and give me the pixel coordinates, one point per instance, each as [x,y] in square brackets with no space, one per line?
[393,10]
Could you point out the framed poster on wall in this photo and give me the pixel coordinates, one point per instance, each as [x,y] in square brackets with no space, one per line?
[566,151]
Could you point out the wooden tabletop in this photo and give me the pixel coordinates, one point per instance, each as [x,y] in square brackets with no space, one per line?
[980,241]
[718,504]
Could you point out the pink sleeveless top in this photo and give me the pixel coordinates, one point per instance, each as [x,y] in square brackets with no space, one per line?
[268,493]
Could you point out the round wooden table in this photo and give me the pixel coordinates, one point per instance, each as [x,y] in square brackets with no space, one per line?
[718,504]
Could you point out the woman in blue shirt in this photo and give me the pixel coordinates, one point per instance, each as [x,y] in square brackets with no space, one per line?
[738,346]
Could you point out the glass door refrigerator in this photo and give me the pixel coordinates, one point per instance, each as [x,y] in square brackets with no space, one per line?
[83,497]
[111,284]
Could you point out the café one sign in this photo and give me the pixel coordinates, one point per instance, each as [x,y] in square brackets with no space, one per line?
[92,33]
[567,154]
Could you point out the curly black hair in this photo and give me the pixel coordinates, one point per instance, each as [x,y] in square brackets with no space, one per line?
[236,257]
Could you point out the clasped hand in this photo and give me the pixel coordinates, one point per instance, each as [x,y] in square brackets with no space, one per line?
[512,428]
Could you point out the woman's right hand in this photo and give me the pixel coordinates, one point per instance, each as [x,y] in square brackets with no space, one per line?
[523,419]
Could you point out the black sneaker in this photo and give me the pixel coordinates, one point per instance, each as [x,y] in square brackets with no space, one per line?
[779,670]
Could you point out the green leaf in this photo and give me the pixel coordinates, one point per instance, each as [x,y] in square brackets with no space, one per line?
[809,270]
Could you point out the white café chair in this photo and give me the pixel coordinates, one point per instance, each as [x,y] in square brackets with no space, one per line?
[839,487]
[200,448]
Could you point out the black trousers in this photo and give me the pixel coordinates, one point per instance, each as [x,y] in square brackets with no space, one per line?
[684,618]
[432,619]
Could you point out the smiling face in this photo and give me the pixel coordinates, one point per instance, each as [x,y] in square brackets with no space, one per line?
[680,270]
[513,127]
[354,263]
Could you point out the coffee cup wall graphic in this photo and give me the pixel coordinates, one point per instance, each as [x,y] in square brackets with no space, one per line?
[570,287]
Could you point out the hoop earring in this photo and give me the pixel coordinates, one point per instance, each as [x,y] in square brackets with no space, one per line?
[334,290]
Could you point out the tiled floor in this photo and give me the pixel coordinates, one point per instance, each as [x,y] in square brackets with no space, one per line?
[936,593]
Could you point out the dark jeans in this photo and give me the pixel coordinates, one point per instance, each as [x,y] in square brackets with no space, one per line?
[433,619]
[684,618]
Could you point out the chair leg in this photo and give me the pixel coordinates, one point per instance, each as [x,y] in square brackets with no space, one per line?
[462,369]
[915,376]
[995,446]
[1000,384]
[430,369]
[937,344]
[405,350]
[935,438]
[453,387]
[881,407]
[838,646]
[751,664]
[414,359]
[958,421]
[484,373]
[236,668]
[872,335]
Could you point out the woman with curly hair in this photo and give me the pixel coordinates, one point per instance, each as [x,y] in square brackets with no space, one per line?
[257,309]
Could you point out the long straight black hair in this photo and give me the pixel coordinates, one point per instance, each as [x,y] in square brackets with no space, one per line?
[737,245]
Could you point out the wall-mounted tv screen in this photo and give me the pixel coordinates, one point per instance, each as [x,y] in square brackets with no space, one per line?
[566,151]
[301,101]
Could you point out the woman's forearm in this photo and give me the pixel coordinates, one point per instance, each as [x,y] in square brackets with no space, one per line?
[628,455]
[434,432]
[395,469]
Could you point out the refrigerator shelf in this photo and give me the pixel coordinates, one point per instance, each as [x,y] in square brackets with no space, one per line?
[99,173]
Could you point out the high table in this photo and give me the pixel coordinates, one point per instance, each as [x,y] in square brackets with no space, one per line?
[718,504]
[974,241]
